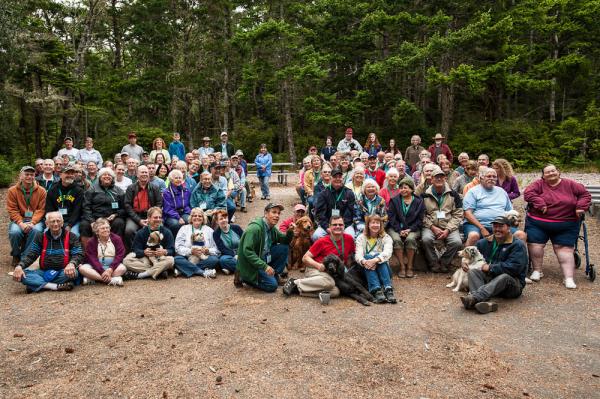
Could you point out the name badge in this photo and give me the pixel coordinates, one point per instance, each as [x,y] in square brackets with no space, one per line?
[63,211]
[440,214]
[268,258]
[335,213]
[28,214]
[115,205]
[203,205]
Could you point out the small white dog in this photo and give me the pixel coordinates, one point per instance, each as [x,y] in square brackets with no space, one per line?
[198,242]
[472,258]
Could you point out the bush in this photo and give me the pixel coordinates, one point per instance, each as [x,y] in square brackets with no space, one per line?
[8,172]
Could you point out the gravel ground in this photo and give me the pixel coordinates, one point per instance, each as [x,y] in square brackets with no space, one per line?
[203,338]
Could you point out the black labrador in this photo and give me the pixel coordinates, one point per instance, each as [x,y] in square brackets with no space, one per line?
[351,282]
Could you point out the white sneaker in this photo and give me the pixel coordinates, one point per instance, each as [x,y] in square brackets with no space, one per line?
[226,272]
[116,281]
[536,276]
[87,281]
[233,219]
[528,280]
[570,283]
[210,273]
[176,273]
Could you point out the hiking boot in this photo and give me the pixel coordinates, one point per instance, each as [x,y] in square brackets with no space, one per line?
[290,287]
[129,275]
[280,280]
[389,295]
[378,295]
[468,301]
[64,287]
[486,307]
[237,281]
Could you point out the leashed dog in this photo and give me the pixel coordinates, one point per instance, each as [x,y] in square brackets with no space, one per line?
[350,282]
[474,260]
[301,242]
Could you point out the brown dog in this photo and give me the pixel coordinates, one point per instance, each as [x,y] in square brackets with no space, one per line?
[301,242]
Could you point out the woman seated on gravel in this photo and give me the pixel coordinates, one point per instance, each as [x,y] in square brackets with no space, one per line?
[227,239]
[103,256]
[373,251]
[196,252]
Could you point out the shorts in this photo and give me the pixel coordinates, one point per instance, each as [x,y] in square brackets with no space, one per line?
[471,228]
[559,233]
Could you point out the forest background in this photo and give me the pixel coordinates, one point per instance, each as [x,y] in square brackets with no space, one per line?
[517,79]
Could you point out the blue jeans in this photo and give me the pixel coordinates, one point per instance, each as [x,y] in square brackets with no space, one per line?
[16,235]
[302,194]
[173,224]
[242,193]
[279,256]
[231,205]
[264,185]
[378,277]
[34,279]
[75,228]
[188,269]
[228,262]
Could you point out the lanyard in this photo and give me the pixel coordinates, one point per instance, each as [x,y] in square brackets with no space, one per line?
[175,198]
[341,254]
[494,250]
[370,204]
[267,238]
[440,200]
[317,176]
[107,192]
[28,195]
[405,207]
[103,249]
[372,247]
[62,197]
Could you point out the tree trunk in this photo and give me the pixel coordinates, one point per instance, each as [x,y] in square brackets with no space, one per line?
[447,108]
[225,99]
[116,34]
[552,106]
[287,111]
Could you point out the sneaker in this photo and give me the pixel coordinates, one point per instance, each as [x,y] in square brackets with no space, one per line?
[129,275]
[468,301]
[226,272]
[176,272]
[528,280]
[389,295]
[378,294]
[268,198]
[486,307]
[64,287]
[243,209]
[232,219]
[87,281]
[570,283]
[536,276]
[290,287]
[237,281]
[210,273]
[116,281]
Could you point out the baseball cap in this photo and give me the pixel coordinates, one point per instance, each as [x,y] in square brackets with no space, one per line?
[299,207]
[501,220]
[68,138]
[437,171]
[28,168]
[272,205]
[239,153]
[68,167]
[223,133]
[132,134]
[336,171]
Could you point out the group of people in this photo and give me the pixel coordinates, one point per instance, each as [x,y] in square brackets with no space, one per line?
[85,220]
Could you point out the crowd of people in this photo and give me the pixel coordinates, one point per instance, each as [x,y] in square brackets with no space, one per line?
[78,219]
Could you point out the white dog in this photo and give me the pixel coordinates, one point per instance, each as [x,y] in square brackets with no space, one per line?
[198,242]
[472,258]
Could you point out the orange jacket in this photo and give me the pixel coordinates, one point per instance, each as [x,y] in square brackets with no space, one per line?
[16,205]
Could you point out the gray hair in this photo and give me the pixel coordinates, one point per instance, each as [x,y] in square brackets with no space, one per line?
[175,172]
[392,171]
[104,171]
[485,171]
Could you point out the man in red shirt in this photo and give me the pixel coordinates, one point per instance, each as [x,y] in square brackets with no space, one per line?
[374,172]
[317,279]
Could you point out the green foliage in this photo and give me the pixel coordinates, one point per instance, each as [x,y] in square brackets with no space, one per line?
[8,171]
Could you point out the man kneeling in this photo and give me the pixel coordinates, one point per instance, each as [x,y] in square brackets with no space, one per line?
[58,265]
[504,273]
[151,256]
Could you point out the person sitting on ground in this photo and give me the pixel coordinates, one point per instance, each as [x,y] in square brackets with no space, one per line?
[103,200]
[59,253]
[133,149]
[348,143]
[482,205]
[463,159]
[506,178]
[227,239]
[504,272]
[370,203]
[196,252]
[207,196]
[470,172]
[373,252]
[374,172]
[25,203]
[70,151]
[412,156]
[263,251]
[66,197]
[390,187]
[335,201]
[176,147]
[104,255]
[439,147]
[158,147]
[316,279]
[120,180]
[151,261]
[443,216]
[176,203]
[140,197]
[47,179]
[556,206]
[405,220]
[299,211]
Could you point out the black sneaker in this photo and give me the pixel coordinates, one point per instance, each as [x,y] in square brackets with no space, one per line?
[378,295]
[468,301]
[237,281]
[129,275]
[389,295]
[64,287]
[163,275]
[280,280]
[290,287]
[486,307]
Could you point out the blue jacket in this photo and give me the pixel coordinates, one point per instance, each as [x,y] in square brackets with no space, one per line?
[510,258]
[219,241]
[263,160]
[141,238]
[177,148]
[413,219]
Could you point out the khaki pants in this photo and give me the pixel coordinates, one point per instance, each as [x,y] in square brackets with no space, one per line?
[144,264]
[315,282]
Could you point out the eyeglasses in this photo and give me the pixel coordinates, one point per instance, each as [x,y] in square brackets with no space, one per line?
[325,171]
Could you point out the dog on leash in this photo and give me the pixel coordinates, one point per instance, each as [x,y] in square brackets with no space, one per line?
[472,258]
[348,282]
[301,242]
[197,242]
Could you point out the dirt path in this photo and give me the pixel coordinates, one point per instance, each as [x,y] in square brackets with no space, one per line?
[203,338]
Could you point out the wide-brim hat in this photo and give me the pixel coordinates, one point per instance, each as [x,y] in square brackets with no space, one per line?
[205,138]
[438,136]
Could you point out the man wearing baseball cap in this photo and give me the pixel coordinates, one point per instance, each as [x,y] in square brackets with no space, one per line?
[25,202]
[225,148]
[133,149]
[69,150]
[504,272]
[66,197]
[337,200]
[348,143]
[263,251]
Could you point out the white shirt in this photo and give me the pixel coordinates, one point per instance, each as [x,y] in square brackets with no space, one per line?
[183,241]
[123,184]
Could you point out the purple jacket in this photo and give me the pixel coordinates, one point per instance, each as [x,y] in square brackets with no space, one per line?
[511,187]
[91,253]
[176,202]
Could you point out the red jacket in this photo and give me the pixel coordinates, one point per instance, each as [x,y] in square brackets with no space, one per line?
[377,174]
[444,149]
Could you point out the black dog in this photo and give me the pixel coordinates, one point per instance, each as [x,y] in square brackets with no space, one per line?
[350,282]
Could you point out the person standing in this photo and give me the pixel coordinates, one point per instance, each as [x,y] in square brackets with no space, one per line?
[328,150]
[439,147]
[206,149]
[133,149]
[225,148]
[411,155]
[176,147]
[69,150]
[264,162]
[158,147]
[348,143]
[89,154]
